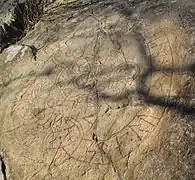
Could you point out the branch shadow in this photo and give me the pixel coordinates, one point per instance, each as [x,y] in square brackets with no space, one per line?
[183,105]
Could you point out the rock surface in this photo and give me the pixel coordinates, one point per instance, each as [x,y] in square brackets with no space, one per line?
[110,95]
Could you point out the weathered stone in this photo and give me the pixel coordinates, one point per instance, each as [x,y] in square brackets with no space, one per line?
[110,95]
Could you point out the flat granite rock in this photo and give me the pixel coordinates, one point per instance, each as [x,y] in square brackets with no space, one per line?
[109,96]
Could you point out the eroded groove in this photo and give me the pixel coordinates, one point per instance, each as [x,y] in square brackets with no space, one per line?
[3,167]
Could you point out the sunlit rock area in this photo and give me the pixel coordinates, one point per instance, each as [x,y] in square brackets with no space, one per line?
[97,90]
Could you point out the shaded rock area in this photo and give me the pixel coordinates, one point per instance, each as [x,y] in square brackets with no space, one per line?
[16,17]
[101,90]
